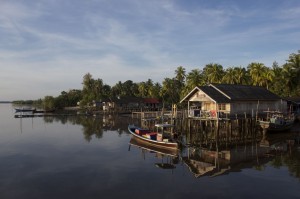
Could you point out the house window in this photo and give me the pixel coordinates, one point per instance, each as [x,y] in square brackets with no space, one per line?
[222,107]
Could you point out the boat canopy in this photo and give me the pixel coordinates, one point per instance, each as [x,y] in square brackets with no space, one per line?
[164,125]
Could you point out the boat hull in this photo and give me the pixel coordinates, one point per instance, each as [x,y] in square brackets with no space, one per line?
[24,110]
[279,128]
[160,144]
[273,128]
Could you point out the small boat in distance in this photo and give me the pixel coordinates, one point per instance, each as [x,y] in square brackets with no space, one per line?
[25,109]
[159,138]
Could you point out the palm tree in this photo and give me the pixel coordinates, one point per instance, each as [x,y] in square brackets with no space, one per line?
[268,76]
[213,73]
[193,79]
[117,89]
[167,92]
[294,64]
[256,71]
[277,85]
[290,79]
[229,76]
[180,74]
[179,80]
[155,91]
[240,75]
[142,87]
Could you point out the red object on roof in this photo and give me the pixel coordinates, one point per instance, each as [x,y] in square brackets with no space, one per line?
[151,100]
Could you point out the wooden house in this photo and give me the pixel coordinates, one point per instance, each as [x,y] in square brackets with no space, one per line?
[131,104]
[151,104]
[218,99]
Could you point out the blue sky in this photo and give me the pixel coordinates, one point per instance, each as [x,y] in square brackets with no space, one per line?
[47,46]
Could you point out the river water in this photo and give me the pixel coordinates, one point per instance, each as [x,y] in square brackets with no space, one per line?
[90,157]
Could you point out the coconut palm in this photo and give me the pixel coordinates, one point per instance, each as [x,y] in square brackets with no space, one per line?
[229,76]
[268,76]
[294,64]
[193,79]
[142,87]
[290,79]
[168,93]
[180,74]
[256,71]
[213,73]
[240,75]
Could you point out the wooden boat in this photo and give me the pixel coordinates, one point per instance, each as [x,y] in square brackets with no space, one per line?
[25,109]
[160,138]
[44,111]
[276,122]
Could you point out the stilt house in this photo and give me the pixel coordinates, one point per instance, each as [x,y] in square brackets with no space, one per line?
[216,100]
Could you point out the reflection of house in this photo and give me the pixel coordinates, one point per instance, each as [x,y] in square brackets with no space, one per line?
[209,101]
[203,162]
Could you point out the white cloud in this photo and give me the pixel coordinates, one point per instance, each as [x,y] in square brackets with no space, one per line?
[54,43]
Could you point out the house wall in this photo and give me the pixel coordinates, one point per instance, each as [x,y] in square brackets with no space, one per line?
[237,107]
[250,107]
[200,97]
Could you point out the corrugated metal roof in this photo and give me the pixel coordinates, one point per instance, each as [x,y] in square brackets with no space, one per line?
[245,92]
[225,93]
[214,94]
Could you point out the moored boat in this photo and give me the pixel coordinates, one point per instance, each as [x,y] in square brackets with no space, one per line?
[277,122]
[25,109]
[159,138]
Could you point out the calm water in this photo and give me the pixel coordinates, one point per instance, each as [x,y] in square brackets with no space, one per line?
[90,157]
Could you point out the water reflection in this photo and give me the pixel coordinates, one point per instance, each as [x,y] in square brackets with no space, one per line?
[168,157]
[202,153]
[94,125]
[283,150]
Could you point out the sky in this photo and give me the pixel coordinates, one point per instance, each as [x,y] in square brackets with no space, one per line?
[47,46]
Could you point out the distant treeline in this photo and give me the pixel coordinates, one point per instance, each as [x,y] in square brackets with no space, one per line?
[282,80]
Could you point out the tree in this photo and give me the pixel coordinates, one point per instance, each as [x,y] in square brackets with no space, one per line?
[194,78]
[256,71]
[277,86]
[294,71]
[49,103]
[167,92]
[180,74]
[230,76]
[142,87]
[213,73]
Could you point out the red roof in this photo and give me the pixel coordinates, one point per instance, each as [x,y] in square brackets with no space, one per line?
[151,100]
